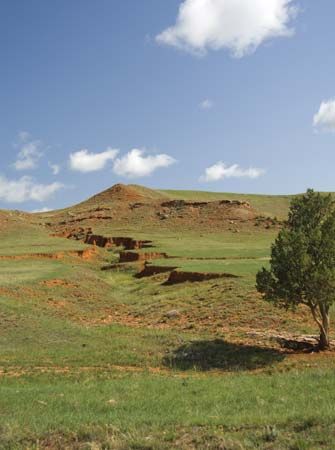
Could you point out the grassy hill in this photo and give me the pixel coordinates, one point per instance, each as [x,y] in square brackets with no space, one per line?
[93,358]
[269,205]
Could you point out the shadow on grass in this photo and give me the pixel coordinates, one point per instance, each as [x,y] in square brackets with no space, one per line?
[218,354]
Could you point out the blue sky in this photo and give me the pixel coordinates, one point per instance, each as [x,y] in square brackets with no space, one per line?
[212,96]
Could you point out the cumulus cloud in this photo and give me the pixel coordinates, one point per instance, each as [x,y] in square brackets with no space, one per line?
[55,168]
[29,154]
[41,210]
[84,161]
[206,104]
[324,119]
[220,171]
[25,189]
[237,25]
[136,164]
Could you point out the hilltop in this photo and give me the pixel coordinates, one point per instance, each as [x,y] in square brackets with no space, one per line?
[124,193]
[143,210]
[268,205]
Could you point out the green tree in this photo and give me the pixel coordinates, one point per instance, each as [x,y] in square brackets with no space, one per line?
[302,265]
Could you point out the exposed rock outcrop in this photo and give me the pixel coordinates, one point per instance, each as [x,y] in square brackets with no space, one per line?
[99,241]
[87,236]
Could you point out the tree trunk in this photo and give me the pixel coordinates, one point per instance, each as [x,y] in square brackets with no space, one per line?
[324,342]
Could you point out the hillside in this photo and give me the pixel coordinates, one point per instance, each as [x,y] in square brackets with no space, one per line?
[267,205]
[131,321]
[124,193]
[142,211]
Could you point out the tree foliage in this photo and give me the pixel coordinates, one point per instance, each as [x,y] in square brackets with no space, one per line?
[302,265]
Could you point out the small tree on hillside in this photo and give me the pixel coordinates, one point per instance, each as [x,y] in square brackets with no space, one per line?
[302,265]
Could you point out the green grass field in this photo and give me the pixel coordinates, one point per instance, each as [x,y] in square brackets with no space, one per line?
[93,359]
[145,411]
[269,205]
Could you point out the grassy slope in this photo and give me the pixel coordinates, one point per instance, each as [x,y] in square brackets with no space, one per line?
[20,236]
[123,375]
[204,252]
[269,205]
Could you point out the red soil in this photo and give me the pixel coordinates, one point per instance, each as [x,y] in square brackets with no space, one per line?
[84,254]
[141,208]
[58,282]
[127,242]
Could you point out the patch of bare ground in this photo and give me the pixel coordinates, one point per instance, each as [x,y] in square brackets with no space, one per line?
[303,343]
[17,371]
[58,304]
[58,282]
[86,254]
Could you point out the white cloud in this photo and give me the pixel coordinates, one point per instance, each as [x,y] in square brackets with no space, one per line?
[84,161]
[206,104]
[25,189]
[220,171]
[324,119]
[55,168]
[41,210]
[135,164]
[29,154]
[237,25]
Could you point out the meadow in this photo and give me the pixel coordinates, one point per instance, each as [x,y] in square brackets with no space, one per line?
[101,359]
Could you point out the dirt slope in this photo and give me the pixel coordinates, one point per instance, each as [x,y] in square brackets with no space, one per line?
[139,208]
[123,193]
